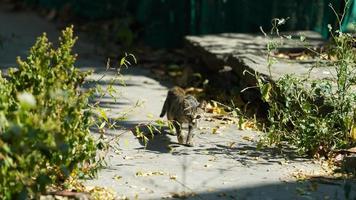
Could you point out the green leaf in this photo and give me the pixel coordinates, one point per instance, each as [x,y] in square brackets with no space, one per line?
[302,38]
[103,114]
[102,125]
[266,91]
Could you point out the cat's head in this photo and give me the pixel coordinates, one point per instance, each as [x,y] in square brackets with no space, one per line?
[200,110]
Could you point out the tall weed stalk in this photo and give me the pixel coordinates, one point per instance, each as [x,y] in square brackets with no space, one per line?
[317,116]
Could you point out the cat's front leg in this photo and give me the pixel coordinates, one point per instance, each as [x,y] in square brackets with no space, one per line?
[191,129]
[178,126]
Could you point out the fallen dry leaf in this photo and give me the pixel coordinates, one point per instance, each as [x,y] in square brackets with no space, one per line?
[155,173]
[232,145]
[304,57]
[212,158]
[208,119]
[243,152]
[248,138]
[300,175]
[283,162]
[214,108]
[97,193]
[248,125]
[201,128]
[128,157]
[173,177]
[117,177]
[182,195]
[256,158]
[214,130]
[281,55]
[132,157]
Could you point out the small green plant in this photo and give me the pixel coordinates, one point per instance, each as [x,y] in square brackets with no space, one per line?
[317,116]
[45,121]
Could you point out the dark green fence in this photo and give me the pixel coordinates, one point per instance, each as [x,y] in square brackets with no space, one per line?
[165,22]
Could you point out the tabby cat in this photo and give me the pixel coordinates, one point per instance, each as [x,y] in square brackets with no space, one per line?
[181,108]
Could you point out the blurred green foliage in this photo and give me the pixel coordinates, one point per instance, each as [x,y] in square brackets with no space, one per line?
[44,120]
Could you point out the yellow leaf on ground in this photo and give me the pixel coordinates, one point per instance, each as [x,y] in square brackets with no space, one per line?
[173,177]
[232,145]
[215,129]
[117,177]
[248,138]
[155,173]
[248,125]
[97,192]
[215,108]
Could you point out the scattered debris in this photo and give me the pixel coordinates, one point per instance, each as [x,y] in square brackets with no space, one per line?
[117,177]
[155,173]
[182,195]
[248,138]
[98,193]
[215,130]
[173,177]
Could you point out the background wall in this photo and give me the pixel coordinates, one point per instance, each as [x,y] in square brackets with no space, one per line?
[165,22]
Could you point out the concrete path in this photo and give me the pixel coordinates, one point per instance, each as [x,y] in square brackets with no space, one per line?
[226,165]
[248,52]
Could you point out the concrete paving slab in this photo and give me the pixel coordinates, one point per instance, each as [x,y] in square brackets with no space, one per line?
[248,52]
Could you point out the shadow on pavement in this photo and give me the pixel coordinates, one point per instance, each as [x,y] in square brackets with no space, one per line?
[342,189]
[158,140]
[248,154]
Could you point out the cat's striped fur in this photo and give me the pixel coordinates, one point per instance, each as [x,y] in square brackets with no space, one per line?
[181,108]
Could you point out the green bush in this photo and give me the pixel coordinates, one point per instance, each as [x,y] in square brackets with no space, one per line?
[44,120]
[317,116]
